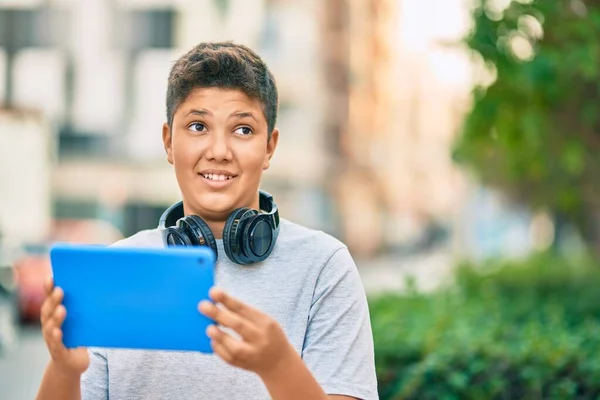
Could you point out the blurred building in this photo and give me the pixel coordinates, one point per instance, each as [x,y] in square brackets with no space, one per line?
[400,103]
[25,192]
[370,102]
[101,83]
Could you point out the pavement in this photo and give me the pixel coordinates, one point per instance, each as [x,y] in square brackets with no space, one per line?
[22,368]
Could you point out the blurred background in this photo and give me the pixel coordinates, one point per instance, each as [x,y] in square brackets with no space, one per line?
[454,145]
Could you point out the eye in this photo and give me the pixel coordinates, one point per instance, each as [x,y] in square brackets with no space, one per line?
[243,130]
[197,127]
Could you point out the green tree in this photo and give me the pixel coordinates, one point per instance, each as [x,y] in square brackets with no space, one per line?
[535,131]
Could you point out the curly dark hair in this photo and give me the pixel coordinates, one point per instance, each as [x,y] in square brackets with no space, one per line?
[223,65]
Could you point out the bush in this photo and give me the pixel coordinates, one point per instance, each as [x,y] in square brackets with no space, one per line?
[521,330]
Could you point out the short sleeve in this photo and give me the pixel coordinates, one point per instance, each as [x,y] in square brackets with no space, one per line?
[94,381]
[338,346]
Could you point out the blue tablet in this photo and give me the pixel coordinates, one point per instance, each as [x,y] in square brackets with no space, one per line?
[134,298]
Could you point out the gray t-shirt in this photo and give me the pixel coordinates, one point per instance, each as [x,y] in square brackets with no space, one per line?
[309,285]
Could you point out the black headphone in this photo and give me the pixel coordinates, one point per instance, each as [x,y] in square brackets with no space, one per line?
[248,236]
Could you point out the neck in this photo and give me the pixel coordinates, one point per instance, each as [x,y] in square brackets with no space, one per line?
[216,228]
[216,220]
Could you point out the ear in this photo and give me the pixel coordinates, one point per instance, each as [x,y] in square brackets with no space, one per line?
[271,146]
[167,141]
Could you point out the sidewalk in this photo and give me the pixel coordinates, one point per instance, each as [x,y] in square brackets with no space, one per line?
[22,368]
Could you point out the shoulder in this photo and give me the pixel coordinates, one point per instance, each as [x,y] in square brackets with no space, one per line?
[295,236]
[144,238]
[309,246]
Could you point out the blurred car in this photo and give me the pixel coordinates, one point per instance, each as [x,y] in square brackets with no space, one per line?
[30,272]
[32,269]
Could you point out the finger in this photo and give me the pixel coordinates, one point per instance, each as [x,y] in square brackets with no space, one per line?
[220,296]
[50,336]
[221,351]
[236,350]
[46,310]
[50,304]
[47,331]
[218,335]
[59,315]
[48,285]
[227,318]
[54,322]
[56,346]
[55,333]
[56,338]
[216,338]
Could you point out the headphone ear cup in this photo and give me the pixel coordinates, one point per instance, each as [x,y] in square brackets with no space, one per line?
[175,237]
[198,232]
[259,238]
[232,240]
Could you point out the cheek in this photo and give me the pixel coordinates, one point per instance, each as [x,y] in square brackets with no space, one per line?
[184,153]
[252,161]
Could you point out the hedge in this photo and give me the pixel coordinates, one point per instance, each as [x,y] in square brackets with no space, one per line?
[528,330]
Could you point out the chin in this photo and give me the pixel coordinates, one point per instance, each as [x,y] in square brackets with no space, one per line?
[216,205]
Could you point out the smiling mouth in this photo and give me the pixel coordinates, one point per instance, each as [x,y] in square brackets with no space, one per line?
[217,177]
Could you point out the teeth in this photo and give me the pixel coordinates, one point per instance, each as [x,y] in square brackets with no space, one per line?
[215,177]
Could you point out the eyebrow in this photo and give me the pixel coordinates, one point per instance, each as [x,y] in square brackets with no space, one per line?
[201,113]
[238,115]
[243,114]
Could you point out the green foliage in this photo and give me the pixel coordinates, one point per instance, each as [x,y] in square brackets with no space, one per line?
[535,132]
[529,330]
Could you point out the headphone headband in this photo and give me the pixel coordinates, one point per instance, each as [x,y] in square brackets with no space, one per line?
[248,235]
[265,201]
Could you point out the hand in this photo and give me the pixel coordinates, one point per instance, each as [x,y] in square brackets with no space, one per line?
[53,313]
[262,346]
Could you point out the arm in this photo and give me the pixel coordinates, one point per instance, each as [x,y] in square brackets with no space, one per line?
[90,385]
[263,348]
[295,381]
[61,379]
[59,385]
[292,380]
[69,370]
[337,357]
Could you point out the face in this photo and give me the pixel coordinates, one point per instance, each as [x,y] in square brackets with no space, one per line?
[219,147]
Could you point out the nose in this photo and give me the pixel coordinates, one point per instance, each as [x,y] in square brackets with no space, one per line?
[218,148]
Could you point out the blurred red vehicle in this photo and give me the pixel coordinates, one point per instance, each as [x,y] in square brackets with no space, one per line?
[34,267]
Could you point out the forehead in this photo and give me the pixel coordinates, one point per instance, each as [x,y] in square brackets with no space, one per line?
[220,101]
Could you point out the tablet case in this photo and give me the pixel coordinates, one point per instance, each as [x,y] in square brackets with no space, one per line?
[135,298]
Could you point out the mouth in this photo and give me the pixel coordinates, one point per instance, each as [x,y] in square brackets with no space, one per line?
[217,177]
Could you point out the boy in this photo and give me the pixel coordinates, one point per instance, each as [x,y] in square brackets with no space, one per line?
[298,326]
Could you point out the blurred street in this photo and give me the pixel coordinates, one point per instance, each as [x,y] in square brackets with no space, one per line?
[22,368]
